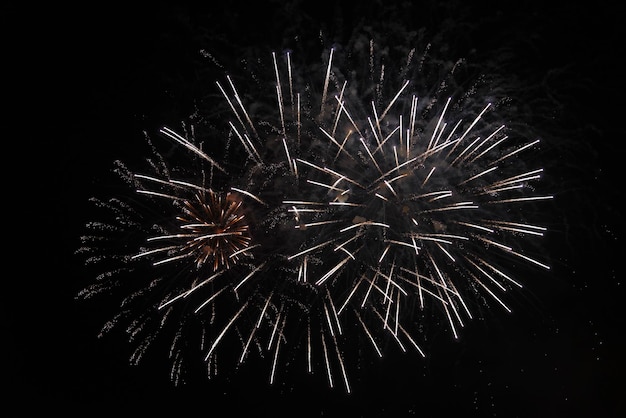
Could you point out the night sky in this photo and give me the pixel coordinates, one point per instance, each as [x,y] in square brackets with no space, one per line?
[84,81]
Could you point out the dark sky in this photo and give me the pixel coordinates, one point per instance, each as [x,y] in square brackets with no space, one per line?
[85,80]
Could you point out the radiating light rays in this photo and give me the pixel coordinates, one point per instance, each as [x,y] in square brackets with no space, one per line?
[335,221]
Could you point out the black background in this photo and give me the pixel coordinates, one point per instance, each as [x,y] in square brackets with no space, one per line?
[83,81]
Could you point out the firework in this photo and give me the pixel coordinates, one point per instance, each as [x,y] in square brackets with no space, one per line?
[345,206]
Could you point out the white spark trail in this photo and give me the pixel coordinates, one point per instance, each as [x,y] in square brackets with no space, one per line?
[326,80]
[252,273]
[221,334]
[176,137]
[244,192]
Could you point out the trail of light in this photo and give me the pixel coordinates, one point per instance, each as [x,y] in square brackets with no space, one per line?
[396,168]
[439,194]
[275,361]
[243,250]
[530,175]
[221,334]
[369,223]
[467,148]
[522,228]
[462,205]
[249,195]
[443,112]
[450,321]
[328,321]
[382,116]
[494,145]
[474,122]
[176,137]
[369,289]
[493,134]
[460,298]
[390,188]
[332,221]
[482,173]
[422,288]
[384,253]
[339,110]
[279,95]
[302,202]
[170,259]
[334,311]
[252,273]
[308,250]
[209,300]
[298,121]
[345,111]
[158,250]
[342,366]
[308,348]
[327,186]
[243,109]
[522,199]
[252,152]
[430,238]
[374,132]
[333,270]
[345,204]
[410,132]
[395,336]
[408,336]
[193,289]
[289,161]
[230,103]
[220,234]
[390,281]
[328,170]
[445,252]
[482,228]
[406,244]
[497,271]
[290,78]
[196,226]
[326,80]
[340,246]
[279,316]
[380,132]
[493,295]
[522,148]
[368,333]
[334,141]
[510,251]
[448,291]
[297,211]
[191,185]
[302,270]
[154,179]
[252,332]
[430,173]
[327,360]
[487,275]
[352,292]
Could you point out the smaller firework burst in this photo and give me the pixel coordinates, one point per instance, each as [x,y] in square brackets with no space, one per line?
[212,229]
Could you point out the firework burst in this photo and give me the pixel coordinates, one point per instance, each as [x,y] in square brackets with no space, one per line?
[358,202]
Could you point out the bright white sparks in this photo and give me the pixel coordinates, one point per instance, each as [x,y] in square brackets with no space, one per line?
[334,218]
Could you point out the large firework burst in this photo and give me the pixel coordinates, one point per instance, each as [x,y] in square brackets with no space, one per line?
[344,206]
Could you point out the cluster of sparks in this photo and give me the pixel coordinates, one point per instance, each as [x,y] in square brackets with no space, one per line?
[351,225]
